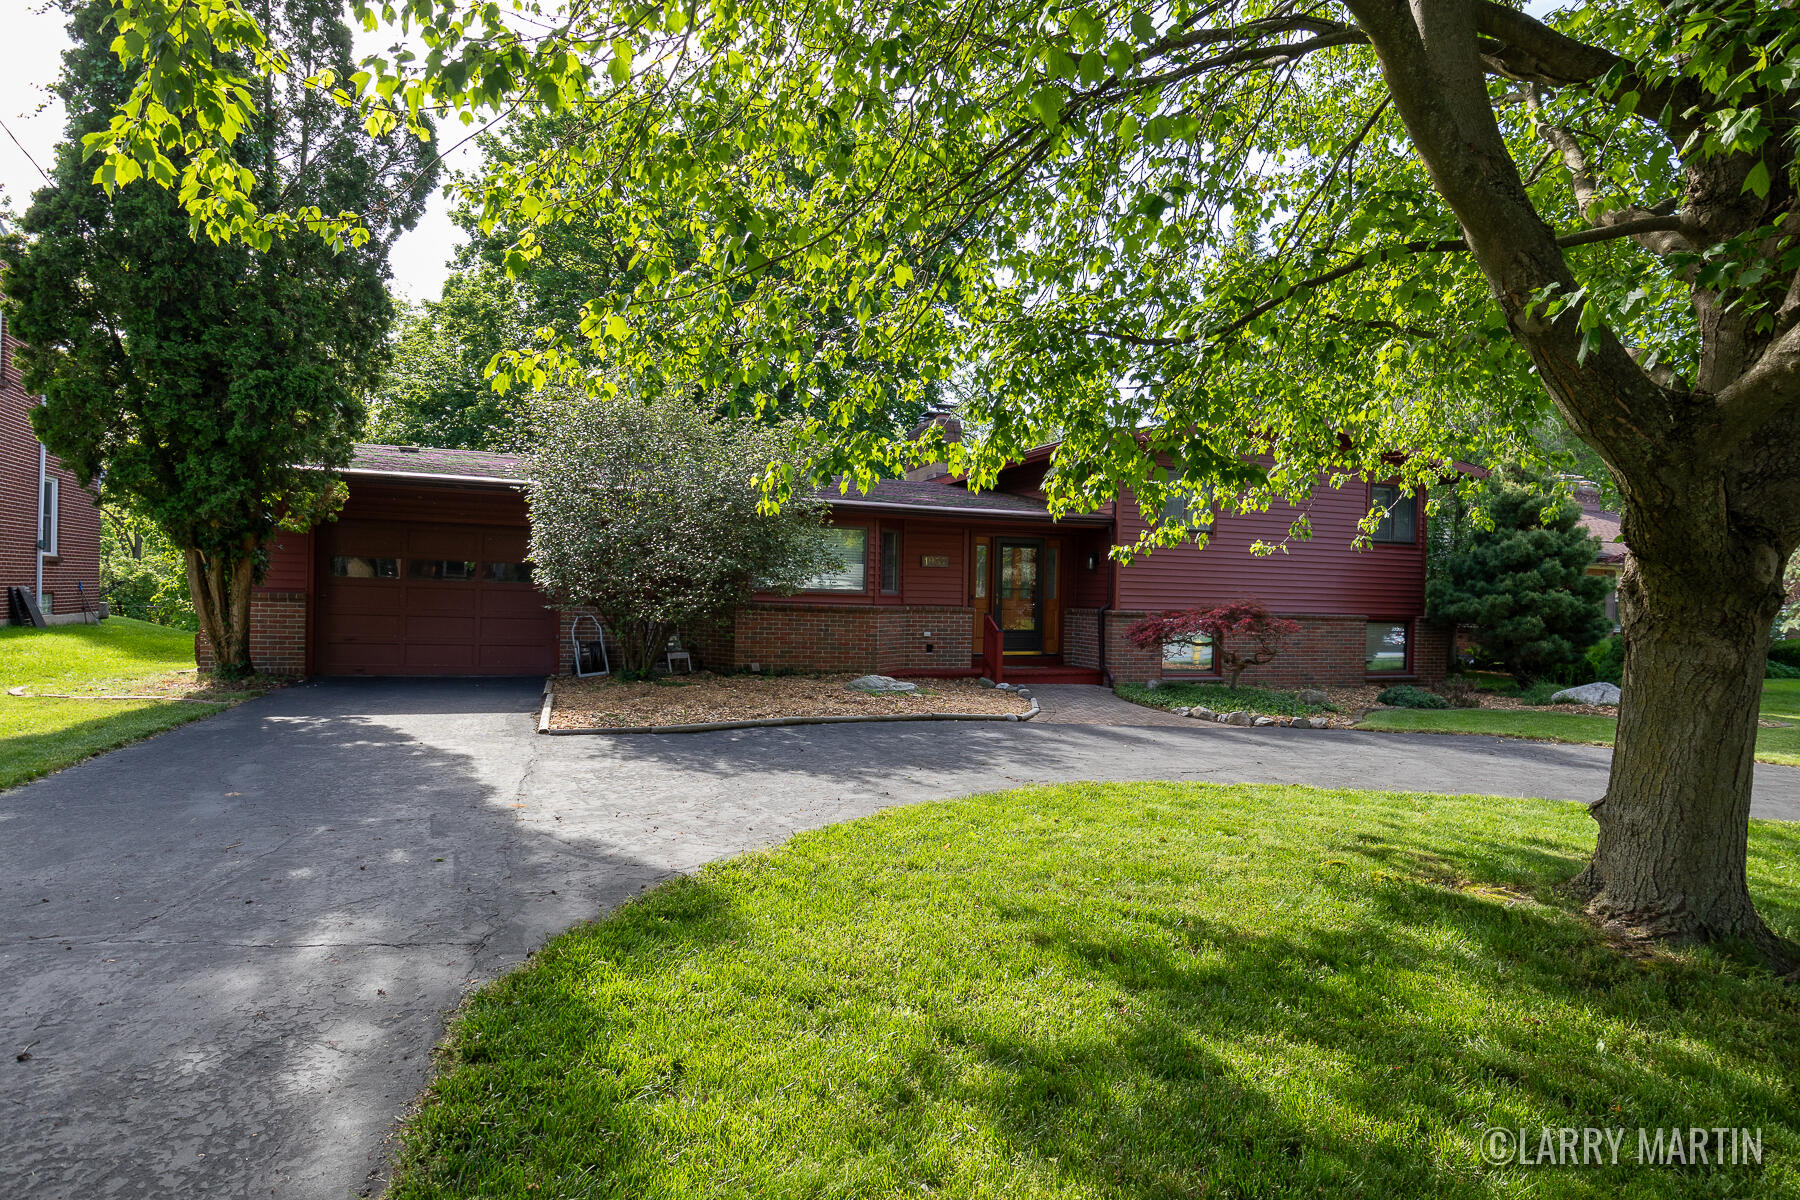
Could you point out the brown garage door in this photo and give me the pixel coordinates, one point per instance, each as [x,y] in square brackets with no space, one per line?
[420,599]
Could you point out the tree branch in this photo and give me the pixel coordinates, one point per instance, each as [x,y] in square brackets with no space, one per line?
[1761,393]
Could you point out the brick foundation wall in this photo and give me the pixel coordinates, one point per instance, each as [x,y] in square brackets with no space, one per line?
[1327,652]
[890,639]
[710,648]
[922,638]
[1081,637]
[277,634]
[821,637]
[1125,663]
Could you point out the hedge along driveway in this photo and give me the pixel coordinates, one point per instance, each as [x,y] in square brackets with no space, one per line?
[1780,702]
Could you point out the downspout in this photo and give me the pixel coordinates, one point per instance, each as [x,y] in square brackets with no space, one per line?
[43,474]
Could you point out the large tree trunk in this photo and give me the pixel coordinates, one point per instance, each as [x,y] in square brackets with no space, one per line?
[1669,862]
[221,589]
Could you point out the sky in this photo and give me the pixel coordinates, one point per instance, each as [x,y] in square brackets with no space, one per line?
[31,58]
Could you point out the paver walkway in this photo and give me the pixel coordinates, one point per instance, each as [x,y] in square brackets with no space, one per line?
[226,952]
[1080,704]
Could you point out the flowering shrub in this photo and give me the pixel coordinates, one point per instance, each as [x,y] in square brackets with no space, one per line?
[1244,635]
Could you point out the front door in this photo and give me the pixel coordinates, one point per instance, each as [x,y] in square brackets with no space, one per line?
[1021,595]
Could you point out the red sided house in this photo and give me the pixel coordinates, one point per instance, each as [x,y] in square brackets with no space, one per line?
[424,573]
[49,527]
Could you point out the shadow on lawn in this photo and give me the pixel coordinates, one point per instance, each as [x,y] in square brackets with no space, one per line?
[830,1021]
[25,756]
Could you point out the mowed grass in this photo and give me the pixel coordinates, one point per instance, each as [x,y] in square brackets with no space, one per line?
[40,735]
[1139,990]
[1780,701]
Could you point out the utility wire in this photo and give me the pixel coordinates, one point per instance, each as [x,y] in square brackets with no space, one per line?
[23,150]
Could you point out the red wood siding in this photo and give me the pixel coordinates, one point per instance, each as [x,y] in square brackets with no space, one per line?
[78,530]
[947,585]
[1322,575]
[290,563]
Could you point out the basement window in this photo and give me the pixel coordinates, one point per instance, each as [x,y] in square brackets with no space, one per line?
[1194,656]
[1386,646]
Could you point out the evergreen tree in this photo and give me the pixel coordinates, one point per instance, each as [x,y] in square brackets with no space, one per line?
[1523,582]
[208,386]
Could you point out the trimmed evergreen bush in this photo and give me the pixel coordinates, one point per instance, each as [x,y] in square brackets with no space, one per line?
[1523,584]
[1407,696]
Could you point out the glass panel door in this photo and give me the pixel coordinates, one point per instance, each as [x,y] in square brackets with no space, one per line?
[1021,596]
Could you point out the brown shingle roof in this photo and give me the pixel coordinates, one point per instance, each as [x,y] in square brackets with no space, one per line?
[403,462]
[927,495]
[427,461]
[1603,523]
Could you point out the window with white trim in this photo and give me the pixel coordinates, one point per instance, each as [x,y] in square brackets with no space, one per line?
[51,517]
[1399,514]
[849,547]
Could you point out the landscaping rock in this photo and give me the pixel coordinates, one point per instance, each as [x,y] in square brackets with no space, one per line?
[1236,718]
[1022,691]
[1153,684]
[985,682]
[1588,693]
[880,683]
[1201,713]
[1312,696]
[1314,723]
[1264,721]
[1180,712]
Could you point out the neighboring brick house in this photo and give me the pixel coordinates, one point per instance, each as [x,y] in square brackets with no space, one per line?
[40,499]
[424,572]
[1603,523]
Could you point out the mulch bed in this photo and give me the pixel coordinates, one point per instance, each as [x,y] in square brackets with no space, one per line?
[704,699]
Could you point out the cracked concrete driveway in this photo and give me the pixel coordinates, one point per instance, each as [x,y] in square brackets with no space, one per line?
[225,953]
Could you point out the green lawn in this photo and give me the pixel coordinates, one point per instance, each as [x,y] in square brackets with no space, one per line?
[1142,990]
[1781,701]
[38,736]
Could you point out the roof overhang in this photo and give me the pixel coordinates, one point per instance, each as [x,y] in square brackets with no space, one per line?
[432,477]
[960,510]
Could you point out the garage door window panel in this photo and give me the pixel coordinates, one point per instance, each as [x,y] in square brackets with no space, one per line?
[362,566]
[440,569]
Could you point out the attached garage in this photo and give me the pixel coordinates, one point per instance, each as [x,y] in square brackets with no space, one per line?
[419,598]
[423,572]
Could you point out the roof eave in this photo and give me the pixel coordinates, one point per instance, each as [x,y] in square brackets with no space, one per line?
[434,477]
[957,510]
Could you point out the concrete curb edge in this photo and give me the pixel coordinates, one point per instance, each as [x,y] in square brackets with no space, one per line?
[769,722]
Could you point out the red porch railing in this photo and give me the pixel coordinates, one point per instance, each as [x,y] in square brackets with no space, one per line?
[993,654]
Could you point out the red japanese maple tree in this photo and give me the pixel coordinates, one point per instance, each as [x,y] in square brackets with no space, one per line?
[1244,635]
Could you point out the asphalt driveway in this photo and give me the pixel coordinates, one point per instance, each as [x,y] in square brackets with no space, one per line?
[225,953]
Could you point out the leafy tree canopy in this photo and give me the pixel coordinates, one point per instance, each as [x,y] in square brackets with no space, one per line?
[501,309]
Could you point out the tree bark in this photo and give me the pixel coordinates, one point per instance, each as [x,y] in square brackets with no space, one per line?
[1669,862]
[221,590]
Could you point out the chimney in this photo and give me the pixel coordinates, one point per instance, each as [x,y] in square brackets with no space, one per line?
[951,425]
